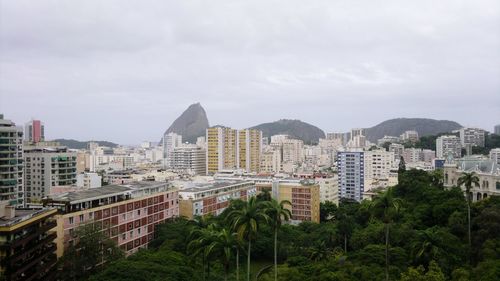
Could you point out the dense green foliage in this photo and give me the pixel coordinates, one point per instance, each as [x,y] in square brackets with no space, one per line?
[428,240]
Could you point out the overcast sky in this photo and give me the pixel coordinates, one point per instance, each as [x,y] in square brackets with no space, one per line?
[124,70]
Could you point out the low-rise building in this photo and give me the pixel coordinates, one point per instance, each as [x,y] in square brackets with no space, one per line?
[88,180]
[127,213]
[27,248]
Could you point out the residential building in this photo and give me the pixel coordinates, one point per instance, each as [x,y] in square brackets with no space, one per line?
[495,155]
[198,199]
[357,132]
[34,131]
[189,159]
[27,248]
[472,136]
[328,189]
[496,130]
[340,137]
[397,149]
[292,150]
[351,173]
[380,169]
[448,145]
[128,214]
[221,149]
[487,170]
[47,166]
[11,163]
[249,150]
[387,139]
[304,196]
[170,141]
[412,155]
[270,161]
[409,136]
[88,180]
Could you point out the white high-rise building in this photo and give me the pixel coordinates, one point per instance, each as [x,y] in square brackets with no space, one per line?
[472,136]
[446,145]
[397,149]
[188,158]
[351,173]
[11,163]
[170,141]
[379,165]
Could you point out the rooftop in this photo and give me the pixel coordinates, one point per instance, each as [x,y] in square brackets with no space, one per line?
[199,186]
[23,215]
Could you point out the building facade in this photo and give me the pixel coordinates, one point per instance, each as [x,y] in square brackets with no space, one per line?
[45,167]
[249,150]
[170,141]
[221,149]
[351,172]
[11,163]
[409,136]
[448,145]
[128,214]
[27,248]
[495,155]
[88,180]
[472,136]
[34,131]
[189,159]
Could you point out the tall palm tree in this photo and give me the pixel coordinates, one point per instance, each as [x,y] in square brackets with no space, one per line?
[246,222]
[467,180]
[222,246]
[385,206]
[320,251]
[278,213]
[200,240]
[428,245]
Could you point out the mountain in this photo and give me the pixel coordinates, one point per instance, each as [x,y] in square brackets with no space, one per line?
[74,144]
[424,127]
[191,124]
[294,128]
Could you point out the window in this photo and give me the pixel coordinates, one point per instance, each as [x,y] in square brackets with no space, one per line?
[91,216]
[138,212]
[124,236]
[71,220]
[131,234]
[139,231]
[81,218]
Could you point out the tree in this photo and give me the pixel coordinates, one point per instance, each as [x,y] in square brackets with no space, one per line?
[327,211]
[201,239]
[90,250]
[437,178]
[467,180]
[385,206]
[223,244]
[277,213]
[418,274]
[264,195]
[246,222]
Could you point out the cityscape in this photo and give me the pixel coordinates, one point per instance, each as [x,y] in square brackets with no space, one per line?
[93,188]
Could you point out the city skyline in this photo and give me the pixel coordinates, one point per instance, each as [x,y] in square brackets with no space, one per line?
[123,73]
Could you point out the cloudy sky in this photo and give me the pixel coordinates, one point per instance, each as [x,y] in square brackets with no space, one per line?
[124,70]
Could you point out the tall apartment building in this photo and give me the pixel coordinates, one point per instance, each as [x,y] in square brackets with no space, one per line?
[34,131]
[127,213]
[496,130]
[249,150]
[270,161]
[397,149]
[357,132]
[380,169]
[340,137]
[11,163]
[448,145]
[47,166]
[188,159]
[292,151]
[170,141]
[351,171]
[303,195]
[472,136]
[221,149]
[213,198]
[495,155]
[411,136]
[328,189]
[27,248]
[412,155]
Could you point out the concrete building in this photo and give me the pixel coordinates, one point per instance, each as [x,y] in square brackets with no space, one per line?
[446,145]
[380,169]
[27,248]
[270,161]
[47,166]
[472,136]
[88,180]
[397,149]
[496,130]
[198,199]
[189,159]
[495,155]
[249,150]
[127,213]
[357,132]
[11,163]
[351,172]
[34,131]
[487,171]
[389,139]
[304,195]
[409,136]
[221,149]
[340,137]
[170,141]
[328,189]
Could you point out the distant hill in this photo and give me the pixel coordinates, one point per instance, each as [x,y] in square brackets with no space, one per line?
[424,127]
[295,128]
[191,124]
[74,144]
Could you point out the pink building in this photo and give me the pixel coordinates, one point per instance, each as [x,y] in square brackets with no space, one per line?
[128,213]
[34,131]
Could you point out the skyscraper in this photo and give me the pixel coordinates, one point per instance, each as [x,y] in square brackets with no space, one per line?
[249,150]
[351,171]
[497,130]
[170,141]
[34,131]
[11,163]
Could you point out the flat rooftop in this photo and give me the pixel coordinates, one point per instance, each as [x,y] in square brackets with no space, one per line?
[202,186]
[21,215]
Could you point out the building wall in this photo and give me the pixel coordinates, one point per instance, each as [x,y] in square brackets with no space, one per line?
[11,163]
[351,171]
[489,183]
[448,144]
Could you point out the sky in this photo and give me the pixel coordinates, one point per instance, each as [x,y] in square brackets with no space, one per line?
[124,70]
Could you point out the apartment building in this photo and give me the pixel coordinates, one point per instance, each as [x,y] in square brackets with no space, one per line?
[472,136]
[380,169]
[27,248]
[495,155]
[170,142]
[34,131]
[409,136]
[189,159]
[351,172]
[249,150]
[127,213]
[198,199]
[448,145]
[47,165]
[88,180]
[11,163]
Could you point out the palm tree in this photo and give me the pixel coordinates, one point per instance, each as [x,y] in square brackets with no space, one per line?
[246,221]
[223,244]
[320,251]
[385,207]
[468,179]
[428,246]
[278,213]
[201,238]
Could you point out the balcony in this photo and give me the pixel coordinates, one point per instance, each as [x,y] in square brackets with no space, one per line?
[47,241]
[24,240]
